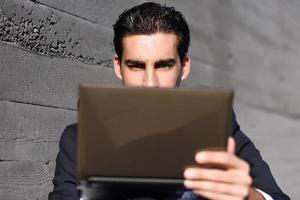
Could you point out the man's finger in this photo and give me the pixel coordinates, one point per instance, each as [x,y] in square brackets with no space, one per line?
[228,176]
[219,158]
[231,145]
[218,188]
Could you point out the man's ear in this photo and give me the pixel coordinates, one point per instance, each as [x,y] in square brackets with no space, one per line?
[117,67]
[186,67]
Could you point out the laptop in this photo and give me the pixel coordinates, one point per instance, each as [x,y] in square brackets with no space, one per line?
[148,136]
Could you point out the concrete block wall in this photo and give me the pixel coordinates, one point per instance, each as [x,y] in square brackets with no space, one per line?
[48,47]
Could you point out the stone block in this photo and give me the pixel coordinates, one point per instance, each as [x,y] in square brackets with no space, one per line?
[41,80]
[265,50]
[30,132]
[100,12]
[25,180]
[51,32]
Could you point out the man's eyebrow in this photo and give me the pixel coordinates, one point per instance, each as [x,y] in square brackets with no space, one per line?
[134,62]
[169,61]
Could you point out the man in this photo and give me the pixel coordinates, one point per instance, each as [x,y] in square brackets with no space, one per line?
[151,44]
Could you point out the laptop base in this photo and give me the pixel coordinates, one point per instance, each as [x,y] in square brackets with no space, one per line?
[98,188]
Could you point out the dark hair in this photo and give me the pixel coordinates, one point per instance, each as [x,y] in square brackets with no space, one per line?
[149,18]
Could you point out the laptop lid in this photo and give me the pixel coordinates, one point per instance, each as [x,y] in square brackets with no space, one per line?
[148,133]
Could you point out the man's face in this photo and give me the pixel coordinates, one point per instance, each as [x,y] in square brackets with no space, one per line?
[151,61]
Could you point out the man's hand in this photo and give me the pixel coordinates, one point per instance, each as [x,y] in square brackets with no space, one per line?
[221,175]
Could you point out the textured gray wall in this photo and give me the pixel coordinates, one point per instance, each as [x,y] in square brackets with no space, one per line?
[47,47]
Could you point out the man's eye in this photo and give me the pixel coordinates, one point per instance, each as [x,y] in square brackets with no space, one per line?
[136,67]
[164,66]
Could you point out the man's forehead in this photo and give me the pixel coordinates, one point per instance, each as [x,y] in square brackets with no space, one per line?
[162,60]
[159,46]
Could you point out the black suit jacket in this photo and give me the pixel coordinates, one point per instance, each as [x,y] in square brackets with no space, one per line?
[65,172]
